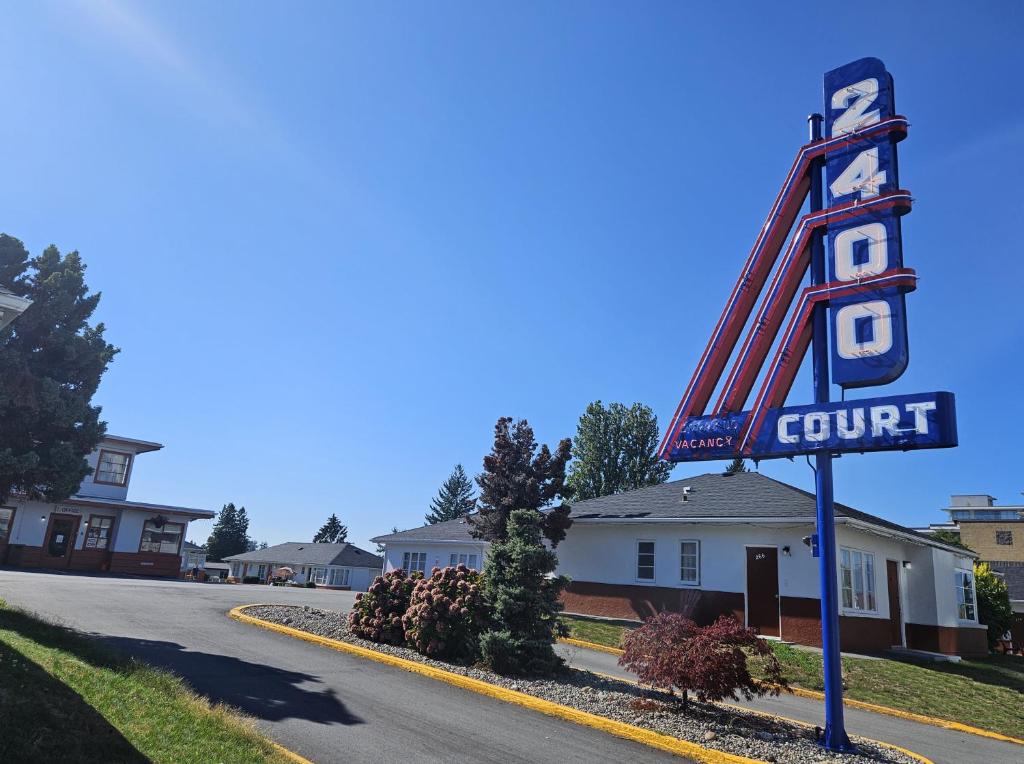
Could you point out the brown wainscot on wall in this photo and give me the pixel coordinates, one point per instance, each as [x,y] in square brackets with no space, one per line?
[800,617]
[139,563]
[947,639]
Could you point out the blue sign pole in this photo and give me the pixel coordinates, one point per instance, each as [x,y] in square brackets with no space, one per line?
[835,738]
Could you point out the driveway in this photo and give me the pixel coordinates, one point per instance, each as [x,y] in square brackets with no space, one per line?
[325,705]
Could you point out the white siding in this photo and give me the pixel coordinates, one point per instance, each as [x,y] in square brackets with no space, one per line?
[438,554]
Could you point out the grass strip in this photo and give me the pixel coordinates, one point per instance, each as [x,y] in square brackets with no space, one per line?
[67,698]
[987,693]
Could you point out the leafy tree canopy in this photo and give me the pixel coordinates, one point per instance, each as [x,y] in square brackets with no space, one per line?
[331,532]
[519,476]
[994,608]
[454,499]
[230,534]
[616,450]
[950,537]
[51,363]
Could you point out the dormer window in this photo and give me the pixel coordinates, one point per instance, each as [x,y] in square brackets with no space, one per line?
[112,468]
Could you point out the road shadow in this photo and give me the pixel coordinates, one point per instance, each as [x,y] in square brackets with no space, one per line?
[45,720]
[261,691]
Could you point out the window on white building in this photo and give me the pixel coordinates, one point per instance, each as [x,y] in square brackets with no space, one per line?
[318,575]
[165,538]
[965,595]
[857,579]
[413,561]
[469,560]
[339,576]
[112,468]
[689,562]
[645,560]
[98,532]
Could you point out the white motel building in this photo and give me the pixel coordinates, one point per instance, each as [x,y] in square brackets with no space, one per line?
[99,529]
[735,545]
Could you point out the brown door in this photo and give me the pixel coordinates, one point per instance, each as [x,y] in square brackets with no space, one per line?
[892,574]
[763,590]
[60,540]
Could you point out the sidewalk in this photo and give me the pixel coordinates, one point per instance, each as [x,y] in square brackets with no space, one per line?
[940,745]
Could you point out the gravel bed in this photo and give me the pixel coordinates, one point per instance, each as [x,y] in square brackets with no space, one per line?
[709,725]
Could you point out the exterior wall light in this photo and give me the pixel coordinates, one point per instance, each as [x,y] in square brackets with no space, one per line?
[785,551]
[907,565]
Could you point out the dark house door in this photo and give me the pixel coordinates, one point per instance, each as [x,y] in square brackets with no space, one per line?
[892,574]
[763,590]
[60,540]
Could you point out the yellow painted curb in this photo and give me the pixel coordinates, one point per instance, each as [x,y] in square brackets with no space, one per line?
[590,645]
[863,705]
[290,755]
[619,729]
[799,722]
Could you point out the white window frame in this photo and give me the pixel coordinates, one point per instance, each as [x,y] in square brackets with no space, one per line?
[683,581]
[419,557]
[339,576]
[868,581]
[469,559]
[654,561]
[960,591]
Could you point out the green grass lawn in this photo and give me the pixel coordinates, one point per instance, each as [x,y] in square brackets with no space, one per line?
[601,632]
[66,698]
[986,693]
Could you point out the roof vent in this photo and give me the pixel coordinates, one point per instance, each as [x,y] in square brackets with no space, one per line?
[301,548]
[686,493]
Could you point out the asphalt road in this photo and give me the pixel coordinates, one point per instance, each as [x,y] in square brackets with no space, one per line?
[941,745]
[327,706]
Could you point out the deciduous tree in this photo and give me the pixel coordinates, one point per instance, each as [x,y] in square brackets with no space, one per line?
[331,532]
[454,499]
[519,476]
[616,449]
[994,608]
[51,362]
[673,652]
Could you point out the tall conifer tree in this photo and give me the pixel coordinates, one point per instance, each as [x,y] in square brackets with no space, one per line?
[51,363]
[454,499]
[331,532]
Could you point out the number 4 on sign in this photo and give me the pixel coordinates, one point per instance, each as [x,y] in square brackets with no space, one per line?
[861,177]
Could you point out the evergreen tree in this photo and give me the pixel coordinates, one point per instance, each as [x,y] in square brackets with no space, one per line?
[950,537]
[51,363]
[736,466]
[454,499]
[518,476]
[616,449]
[523,598]
[230,534]
[331,532]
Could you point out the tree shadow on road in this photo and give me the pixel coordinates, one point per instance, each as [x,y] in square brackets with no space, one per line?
[261,691]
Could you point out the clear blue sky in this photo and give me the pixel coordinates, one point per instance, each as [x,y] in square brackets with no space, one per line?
[336,241]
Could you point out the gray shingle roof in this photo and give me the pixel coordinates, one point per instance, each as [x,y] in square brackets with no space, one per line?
[302,553]
[712,495]
[1013,574]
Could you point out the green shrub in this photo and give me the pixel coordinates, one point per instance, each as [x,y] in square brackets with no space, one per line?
[310,584]
[377,613]
[994,609]
[523,597]
[446,614]
[252,580]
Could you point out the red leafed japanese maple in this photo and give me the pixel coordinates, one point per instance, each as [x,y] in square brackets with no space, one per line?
[672,652]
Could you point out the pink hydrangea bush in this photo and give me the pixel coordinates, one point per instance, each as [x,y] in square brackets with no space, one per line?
[377,613]
[446,614]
